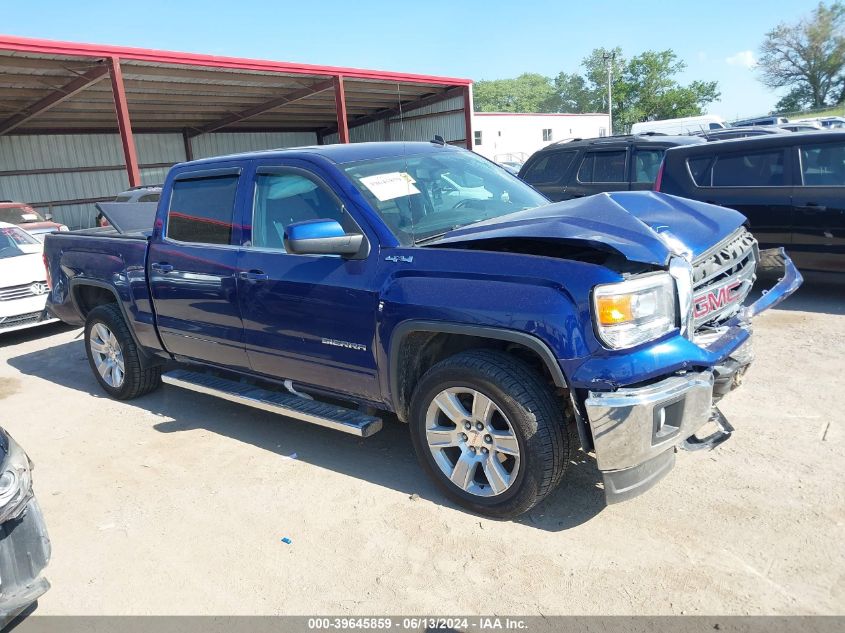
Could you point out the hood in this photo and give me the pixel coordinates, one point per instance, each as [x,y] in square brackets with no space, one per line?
[643,226]
[21,269]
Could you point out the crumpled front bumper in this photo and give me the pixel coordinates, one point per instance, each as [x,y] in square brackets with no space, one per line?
[636,430]
[24,552]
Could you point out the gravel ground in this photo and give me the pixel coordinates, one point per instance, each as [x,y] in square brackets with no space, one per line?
[176,503]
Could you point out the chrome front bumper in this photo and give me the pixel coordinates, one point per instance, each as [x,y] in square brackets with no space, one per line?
[24,552]
[636,430]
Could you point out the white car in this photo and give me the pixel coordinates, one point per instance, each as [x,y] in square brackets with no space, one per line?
[23,285]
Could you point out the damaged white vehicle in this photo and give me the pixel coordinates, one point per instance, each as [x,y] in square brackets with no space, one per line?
[23,280]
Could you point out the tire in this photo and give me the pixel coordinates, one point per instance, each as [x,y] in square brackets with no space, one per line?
[516,409]
[109,344]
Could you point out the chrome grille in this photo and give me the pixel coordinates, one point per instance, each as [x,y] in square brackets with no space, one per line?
[722,278]
[23,291]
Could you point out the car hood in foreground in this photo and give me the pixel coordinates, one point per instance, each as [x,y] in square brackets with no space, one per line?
[643,226]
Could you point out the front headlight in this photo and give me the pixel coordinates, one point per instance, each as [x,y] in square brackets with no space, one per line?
[634,311]
[15,482]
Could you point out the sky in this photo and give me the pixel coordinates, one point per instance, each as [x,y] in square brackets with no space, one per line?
[456,38]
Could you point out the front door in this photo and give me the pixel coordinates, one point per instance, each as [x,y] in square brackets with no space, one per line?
[307,318]
[818,237]
[193,270]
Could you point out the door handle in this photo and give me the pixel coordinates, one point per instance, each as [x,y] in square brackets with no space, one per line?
[253,275]
[161,267]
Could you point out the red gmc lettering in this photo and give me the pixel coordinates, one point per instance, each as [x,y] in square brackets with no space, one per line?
[714,300]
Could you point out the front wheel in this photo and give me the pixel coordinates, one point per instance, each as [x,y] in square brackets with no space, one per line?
[490,432]
[114,357]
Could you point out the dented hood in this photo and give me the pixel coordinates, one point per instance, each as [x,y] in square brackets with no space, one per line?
[643,226]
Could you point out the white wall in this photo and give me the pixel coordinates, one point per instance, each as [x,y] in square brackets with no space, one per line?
[522,134]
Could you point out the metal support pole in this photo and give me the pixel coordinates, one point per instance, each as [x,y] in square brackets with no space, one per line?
[124,124]
[340,107]
[609,59]
[468,116]
[186,141]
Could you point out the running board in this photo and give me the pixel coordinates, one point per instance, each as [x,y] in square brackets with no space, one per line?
[320,413]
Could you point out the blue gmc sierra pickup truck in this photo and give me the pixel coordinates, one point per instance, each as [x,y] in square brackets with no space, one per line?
[339,284]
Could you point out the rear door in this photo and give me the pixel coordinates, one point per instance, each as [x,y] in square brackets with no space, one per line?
[307,318]
[757,183]
[549,173]
[192,266]
[818,237]
[600,170]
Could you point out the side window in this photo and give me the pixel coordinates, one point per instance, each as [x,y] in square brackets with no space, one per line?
[477,136]
[823,165]
[603,167]
[757,169]
[287,197]
[701,170]
[547,134]
[202,210]
[149,197]
[549,168]
[646,164]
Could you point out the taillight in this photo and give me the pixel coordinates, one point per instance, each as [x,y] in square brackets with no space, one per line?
[659,180]
[47,269]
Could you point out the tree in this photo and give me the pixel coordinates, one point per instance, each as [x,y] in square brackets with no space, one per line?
[807,57]
[530,92]
[644,87]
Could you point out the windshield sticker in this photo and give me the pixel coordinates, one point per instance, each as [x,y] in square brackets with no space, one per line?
[29,217]
[389,186]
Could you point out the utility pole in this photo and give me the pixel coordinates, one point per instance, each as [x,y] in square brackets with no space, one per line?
[609,57]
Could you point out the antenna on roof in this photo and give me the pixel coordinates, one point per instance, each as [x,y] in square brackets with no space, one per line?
[438,140]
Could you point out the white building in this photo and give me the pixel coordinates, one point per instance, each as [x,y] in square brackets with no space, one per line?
[508,136]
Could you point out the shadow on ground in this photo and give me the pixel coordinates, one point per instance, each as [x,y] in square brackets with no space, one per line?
[33,333]
[386,459]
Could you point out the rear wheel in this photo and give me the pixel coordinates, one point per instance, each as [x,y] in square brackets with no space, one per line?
[114,357]
[490,432]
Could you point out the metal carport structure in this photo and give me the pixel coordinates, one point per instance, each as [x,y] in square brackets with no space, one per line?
[79,122]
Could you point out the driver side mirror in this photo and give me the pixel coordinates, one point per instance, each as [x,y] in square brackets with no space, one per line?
[321,237]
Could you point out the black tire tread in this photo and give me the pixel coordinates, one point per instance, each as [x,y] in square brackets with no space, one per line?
[137,380]
[530,391]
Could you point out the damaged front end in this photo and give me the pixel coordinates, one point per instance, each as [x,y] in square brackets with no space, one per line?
[24,544]
[637,429]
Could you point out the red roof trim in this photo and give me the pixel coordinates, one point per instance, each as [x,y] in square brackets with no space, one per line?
[540,114]
[51,47]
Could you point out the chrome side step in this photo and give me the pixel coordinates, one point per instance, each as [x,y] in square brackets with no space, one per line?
[321,413]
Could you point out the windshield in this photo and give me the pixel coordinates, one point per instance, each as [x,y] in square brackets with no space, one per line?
[14,242]
[422,196]
[20,215]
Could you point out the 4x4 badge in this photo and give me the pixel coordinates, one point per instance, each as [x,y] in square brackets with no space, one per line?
[399,258]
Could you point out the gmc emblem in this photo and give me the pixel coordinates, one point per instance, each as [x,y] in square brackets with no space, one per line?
[716,299]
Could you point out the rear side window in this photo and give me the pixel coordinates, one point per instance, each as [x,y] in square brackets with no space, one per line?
[549,168]
[646,164]
[823,165]
[753,169]
[603,167]
[700,170]
[202,210]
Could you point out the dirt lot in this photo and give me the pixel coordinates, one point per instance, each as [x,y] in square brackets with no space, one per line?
[176,503]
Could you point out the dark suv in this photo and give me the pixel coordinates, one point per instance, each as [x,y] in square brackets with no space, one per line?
[790,187]
[582,167]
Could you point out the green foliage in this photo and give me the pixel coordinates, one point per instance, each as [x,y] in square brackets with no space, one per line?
[529,92]
[808,57]
[644,88]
